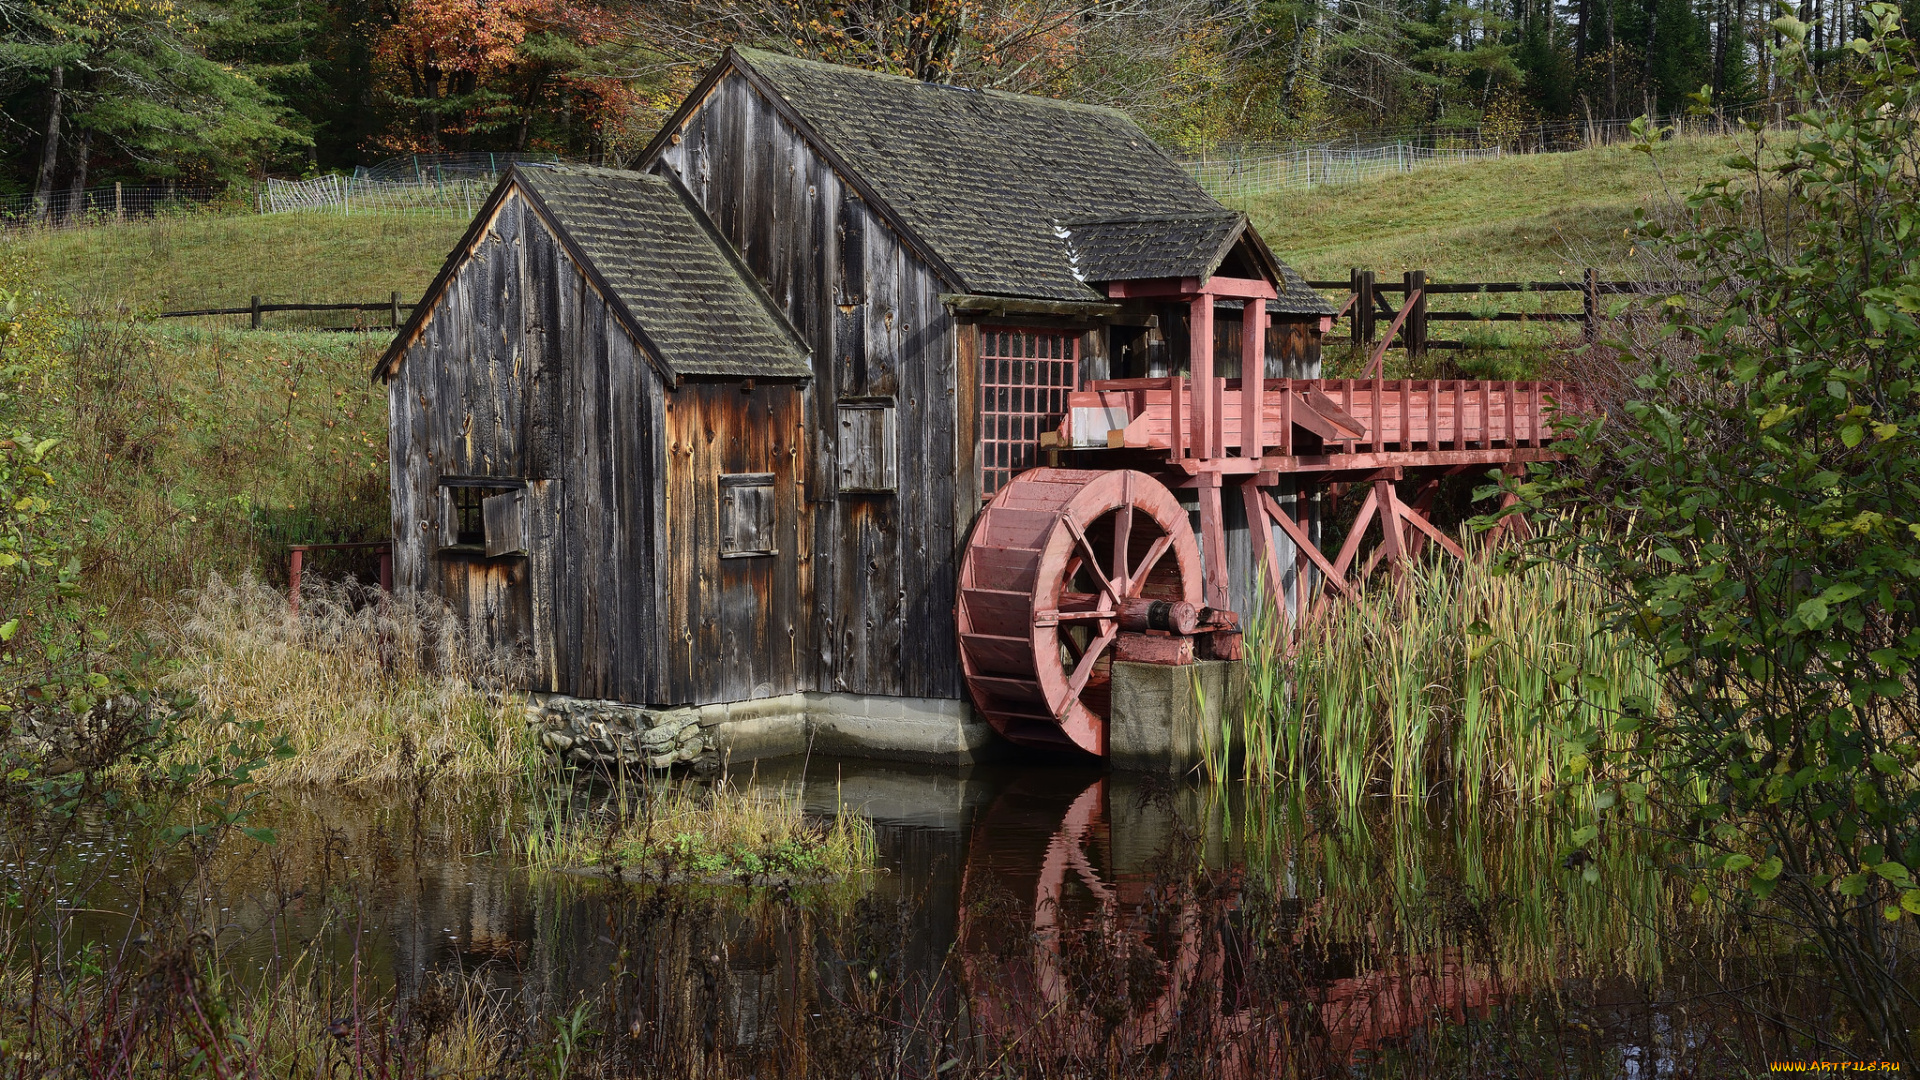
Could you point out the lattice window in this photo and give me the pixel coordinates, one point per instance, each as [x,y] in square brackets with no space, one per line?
[1025,376]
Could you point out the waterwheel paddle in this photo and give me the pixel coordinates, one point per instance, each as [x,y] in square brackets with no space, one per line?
[1061,564]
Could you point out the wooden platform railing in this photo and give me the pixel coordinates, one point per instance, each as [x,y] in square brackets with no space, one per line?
[1322,416]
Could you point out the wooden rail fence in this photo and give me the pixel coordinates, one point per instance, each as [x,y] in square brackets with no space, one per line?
[1367,305]
[392,306]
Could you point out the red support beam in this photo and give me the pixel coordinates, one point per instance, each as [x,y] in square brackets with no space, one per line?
[1236,288]
[1200,365]
[1253,378]
[1213,543]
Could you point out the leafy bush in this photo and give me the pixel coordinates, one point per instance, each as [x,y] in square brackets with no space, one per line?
[1752,506]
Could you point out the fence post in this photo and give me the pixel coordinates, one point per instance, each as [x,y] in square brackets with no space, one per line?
[1591,305]
[393,318]
[256,313]
[1357,288]
[119,208]
[1416,326]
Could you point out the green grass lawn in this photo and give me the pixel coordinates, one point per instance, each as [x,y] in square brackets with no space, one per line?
[203,260]
[1537,217]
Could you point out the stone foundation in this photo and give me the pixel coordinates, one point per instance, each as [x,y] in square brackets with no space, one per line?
[609,735]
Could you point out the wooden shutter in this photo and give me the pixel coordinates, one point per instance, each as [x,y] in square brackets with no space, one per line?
[746,515]
[505,515]
[866,447]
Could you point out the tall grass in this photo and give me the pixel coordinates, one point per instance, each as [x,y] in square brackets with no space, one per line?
[678,831]
[364,689]
[1462,675]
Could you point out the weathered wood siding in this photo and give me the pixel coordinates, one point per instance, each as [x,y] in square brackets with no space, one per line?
[737,627]
[881,565]
[521,372]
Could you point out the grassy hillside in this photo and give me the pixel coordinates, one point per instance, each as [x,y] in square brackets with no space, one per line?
[193,450]
[1534,217]
[197,261]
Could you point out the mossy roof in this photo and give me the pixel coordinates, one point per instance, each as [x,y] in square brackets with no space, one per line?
[696,304]
[989,179]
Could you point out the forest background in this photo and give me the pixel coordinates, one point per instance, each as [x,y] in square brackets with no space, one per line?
[211,91]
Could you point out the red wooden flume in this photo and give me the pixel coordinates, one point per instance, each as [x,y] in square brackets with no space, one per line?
[1064,564]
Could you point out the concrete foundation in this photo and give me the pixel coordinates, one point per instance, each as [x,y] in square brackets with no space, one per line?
[1167,718]
[930,730]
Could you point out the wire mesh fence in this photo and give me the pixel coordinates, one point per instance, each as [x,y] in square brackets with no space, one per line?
[346,194]
[423,183]
[428,168]
[105,205]
[1233,178]
[1236,173]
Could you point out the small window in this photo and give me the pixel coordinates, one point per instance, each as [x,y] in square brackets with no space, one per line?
[1025,377]
[484,515]
[866,447]
[746,515]
[463,520]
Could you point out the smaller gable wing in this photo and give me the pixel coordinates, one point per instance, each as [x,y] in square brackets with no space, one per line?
[696,304]
[1140,247]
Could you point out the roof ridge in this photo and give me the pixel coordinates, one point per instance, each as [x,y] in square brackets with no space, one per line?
[750,53]
[1197,215]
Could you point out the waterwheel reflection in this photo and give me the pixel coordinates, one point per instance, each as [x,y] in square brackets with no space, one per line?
[1083,937]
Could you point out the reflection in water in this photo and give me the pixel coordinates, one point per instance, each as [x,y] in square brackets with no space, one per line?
[1131,940]
[1051,918]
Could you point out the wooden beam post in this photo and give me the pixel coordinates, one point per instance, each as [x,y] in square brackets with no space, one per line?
[1393,542]
[1200,365]
[1302,574]
[255,306]
[1213,543]
[1590,304]
[1364,315]
[1253,378]
[1416,332]
[1358,298]
[1260,530]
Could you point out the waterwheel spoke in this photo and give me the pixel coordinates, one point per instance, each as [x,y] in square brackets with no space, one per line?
[1093,560]
[1072,645]
[1150,560]
[1122,536]
[1084,669]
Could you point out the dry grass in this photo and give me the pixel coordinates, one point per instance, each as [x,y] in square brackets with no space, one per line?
[722,832]
[364,692]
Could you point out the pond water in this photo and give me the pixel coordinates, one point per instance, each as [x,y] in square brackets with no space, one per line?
[1049,911]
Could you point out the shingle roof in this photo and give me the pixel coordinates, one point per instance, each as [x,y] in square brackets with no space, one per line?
[1143,246]
[697,305]
[1296,298]
[987,178]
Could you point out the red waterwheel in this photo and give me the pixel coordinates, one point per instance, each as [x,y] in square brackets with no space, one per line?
[1060,563]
